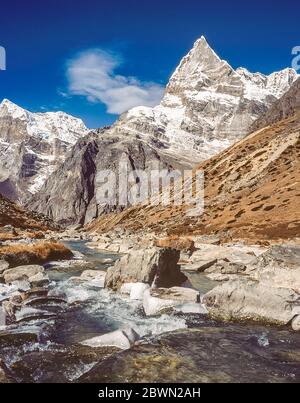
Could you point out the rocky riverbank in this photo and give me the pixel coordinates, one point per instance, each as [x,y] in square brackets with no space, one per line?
[256,283]
[82,311]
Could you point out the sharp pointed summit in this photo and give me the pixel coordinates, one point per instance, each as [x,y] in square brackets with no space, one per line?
[197,66]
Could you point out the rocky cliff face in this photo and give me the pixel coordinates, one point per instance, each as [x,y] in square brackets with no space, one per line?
[69,195]
[287,105]
[32,146]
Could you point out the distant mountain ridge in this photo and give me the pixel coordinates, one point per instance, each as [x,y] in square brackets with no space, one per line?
[32,146]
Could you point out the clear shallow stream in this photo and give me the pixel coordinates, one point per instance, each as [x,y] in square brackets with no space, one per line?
[193,350]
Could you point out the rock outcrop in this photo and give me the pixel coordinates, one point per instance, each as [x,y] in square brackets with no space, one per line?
[69,196]
[22,273]
[286,106]
[153,266]
[267,290]
[245,300]
[279,267]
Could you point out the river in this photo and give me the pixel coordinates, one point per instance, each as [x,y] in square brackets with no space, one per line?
[44,346]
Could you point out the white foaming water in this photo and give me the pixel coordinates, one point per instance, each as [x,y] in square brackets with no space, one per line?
[7,291]
[119,311]
[263,340]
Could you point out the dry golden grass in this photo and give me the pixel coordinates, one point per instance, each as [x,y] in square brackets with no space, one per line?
[7,237]
[176,242]
[38,253]
[4,236]
[18,217]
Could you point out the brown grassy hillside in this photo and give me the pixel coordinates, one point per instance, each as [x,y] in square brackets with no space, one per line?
[252,191]
[18,217]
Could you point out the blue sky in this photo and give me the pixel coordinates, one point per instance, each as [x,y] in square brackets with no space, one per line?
[56,48]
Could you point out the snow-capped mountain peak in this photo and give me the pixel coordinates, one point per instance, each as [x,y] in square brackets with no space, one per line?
[32,146]
[48,126]
[15,111]
[275,84]
[280,82]
[207,105]
[198,68]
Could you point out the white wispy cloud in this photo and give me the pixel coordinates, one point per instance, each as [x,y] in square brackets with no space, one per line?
[92,74]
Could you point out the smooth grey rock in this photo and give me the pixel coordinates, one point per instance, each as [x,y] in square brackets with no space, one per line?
[153,266]
[279,267]
[249,300]
[199,266]
[22,273]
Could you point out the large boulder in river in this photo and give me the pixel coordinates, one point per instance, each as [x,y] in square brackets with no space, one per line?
[22,273]
[154,266]
[246,300]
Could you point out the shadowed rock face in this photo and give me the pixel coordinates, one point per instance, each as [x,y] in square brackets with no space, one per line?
[284,107]
[69,195]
